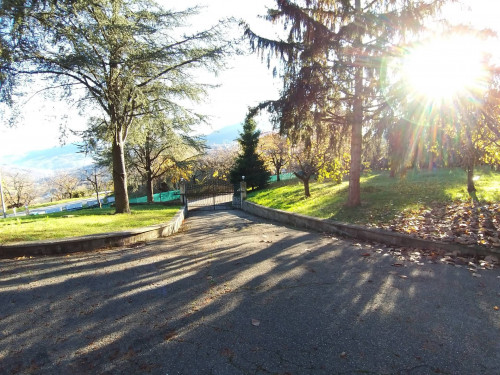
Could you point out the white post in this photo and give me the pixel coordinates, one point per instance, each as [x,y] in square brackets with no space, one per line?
[1,194]
[243,190]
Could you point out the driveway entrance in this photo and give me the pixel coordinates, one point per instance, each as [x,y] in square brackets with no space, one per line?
[213,194]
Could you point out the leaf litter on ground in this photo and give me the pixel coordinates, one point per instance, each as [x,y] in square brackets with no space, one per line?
[420,257]
[459,222]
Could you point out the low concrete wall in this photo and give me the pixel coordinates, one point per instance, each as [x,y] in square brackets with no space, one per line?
[95,241]
[362,233]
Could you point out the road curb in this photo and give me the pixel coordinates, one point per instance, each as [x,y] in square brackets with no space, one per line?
[362,233]
[94,241]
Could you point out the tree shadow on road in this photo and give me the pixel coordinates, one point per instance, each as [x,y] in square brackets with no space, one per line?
[236,294]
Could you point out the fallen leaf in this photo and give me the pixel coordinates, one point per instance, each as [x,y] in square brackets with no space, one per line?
[343,355]
[491,259]
[366,254]
[147,367]
[170,335]
[131,352]
[496,308]
[255,322]
[226,352]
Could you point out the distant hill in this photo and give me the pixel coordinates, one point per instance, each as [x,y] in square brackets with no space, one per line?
[229,134]
[46,162]
[223,136]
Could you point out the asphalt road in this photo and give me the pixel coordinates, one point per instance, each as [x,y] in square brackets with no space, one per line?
[234,294]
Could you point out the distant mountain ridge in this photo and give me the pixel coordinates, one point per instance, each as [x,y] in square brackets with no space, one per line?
[223,136]
[45,162]
[67,157]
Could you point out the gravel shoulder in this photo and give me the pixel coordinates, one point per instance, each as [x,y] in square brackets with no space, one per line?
[235,294]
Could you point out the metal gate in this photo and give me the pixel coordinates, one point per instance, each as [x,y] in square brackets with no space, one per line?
[213,195]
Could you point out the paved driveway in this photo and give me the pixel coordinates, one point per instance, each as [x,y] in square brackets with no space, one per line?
[233,294]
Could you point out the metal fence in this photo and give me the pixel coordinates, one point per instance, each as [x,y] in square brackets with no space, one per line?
[166,196]
[213,194]
[283,177]
[173,195]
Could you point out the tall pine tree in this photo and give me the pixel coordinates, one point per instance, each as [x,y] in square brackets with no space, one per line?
[131,58]
[249,163]
[331,63]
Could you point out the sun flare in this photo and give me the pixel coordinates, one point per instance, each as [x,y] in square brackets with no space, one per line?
[446,68]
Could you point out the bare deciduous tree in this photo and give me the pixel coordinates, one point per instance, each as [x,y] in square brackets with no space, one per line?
[217,162]
[19,189]
[274,149]
[64,185]
[98,178]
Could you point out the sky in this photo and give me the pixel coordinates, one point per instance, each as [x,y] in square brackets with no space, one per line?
[245,82]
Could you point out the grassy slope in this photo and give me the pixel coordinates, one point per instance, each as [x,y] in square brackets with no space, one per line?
[383,198]
[80,223]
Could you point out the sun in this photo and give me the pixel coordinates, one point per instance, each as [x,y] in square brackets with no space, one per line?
[445,68]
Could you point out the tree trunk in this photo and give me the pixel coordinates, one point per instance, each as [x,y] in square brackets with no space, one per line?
[277,168]
[149,172]
[420,152]
[470,179]
[97,190]
[355,167]
[149,187]
[307,193]
[354,198]
[149,181]
[120,178]
[470,160]
[430,166]
[471,188]
[305,180]
[392,168]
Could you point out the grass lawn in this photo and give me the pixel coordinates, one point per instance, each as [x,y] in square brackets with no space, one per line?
[383,198]
[80,223]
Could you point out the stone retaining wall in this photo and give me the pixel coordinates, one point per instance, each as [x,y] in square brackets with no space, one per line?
[362,233]
[95,241]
